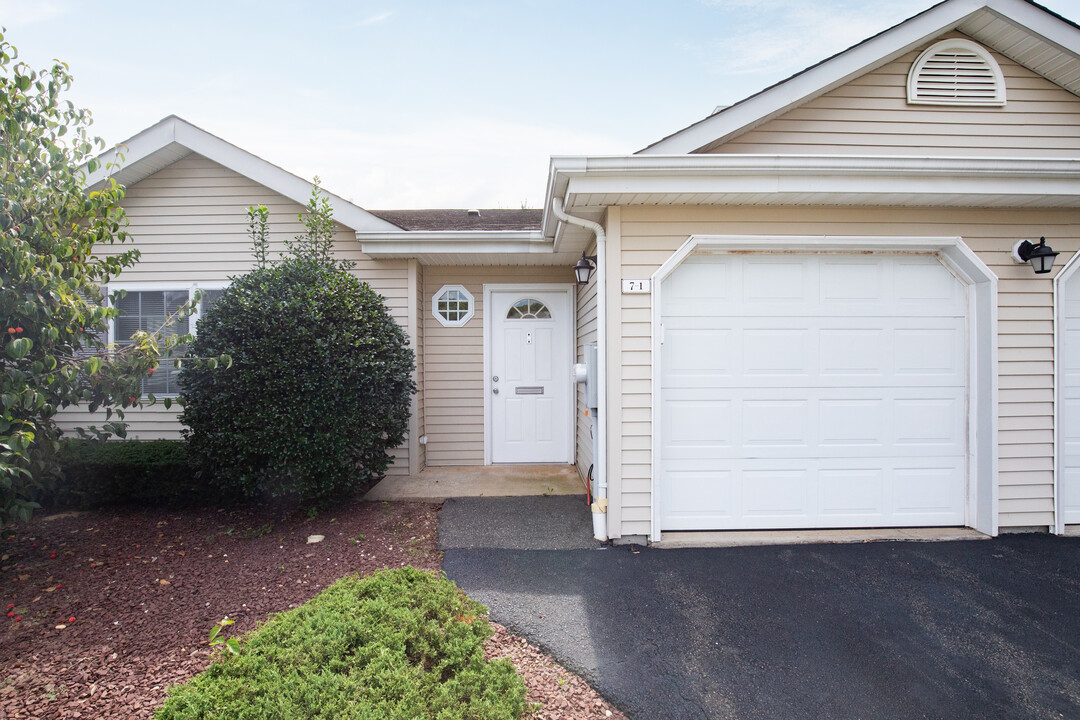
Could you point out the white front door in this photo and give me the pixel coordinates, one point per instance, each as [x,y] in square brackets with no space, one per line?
[529,383]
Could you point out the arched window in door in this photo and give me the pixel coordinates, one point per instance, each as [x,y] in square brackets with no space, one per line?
[528,309]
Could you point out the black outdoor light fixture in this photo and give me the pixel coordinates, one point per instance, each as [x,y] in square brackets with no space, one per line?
[584,267]
[1040,256]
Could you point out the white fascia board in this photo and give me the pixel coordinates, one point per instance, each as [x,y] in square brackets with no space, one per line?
[820,174]
[856,61]
[749,174]
[417,244]
[176,130]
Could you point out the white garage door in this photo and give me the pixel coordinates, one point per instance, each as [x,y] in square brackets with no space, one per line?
[812,391]
[1069,413]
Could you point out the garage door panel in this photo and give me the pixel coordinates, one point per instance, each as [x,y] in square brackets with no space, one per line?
[848,492]
[767,280]
[773,352]
[922,281]
[772,494]
[775,494]
[847,279]
[835,394]
[701,351]
[835,422]
[926,422]
[929,495]
[845,352]
[852,422]
[823,352]
[781,425]
[926,352]
[701,423]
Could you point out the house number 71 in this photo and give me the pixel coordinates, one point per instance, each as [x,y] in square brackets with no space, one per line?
[636,286]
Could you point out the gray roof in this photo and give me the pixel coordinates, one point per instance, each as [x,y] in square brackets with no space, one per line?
[434,220]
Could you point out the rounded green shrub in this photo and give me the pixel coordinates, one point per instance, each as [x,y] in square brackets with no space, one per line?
[318,390]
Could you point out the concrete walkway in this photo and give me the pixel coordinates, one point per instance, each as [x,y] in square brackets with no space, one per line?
[435,484]
[552,522]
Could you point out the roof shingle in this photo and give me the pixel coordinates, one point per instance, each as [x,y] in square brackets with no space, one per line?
[435,220]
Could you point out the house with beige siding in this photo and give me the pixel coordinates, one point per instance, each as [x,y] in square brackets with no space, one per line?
[816,308]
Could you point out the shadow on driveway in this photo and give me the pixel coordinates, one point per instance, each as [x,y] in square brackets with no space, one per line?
[986,629]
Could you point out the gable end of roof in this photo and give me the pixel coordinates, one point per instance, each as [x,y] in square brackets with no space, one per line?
[172,138]
[1022,30]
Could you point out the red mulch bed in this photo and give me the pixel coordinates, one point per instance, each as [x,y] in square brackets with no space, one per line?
[145,587]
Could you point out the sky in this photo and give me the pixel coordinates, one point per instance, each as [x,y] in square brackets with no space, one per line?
[428,104]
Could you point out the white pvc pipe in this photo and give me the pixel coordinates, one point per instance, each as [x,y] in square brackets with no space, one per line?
[600,509]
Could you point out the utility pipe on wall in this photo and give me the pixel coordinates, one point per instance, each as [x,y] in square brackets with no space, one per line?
[600,506]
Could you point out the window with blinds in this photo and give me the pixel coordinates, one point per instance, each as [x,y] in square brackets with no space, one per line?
[148,310]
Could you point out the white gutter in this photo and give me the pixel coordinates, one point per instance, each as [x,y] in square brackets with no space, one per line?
[411,243]
[599,507]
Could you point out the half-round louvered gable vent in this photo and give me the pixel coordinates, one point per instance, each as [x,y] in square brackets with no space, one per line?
[956,72]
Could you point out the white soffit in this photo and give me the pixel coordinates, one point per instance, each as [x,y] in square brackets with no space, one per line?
[1020,30]
[173,138]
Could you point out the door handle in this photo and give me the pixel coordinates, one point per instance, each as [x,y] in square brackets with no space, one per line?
[494,391]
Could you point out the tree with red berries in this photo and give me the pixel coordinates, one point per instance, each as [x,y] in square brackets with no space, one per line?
[52,312]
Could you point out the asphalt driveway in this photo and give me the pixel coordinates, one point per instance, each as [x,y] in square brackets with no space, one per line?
[983,629]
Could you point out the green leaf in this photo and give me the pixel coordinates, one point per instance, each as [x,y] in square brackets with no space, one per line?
[92,365]
[19,348]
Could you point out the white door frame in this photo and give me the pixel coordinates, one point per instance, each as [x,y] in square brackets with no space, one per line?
[982,505]
[568,290]
[1067,272]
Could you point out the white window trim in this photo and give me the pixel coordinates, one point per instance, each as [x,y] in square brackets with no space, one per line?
[162,286]
[913,97]
[453,323]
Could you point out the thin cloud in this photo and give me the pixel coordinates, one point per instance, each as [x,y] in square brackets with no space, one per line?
[779,37]
[21,13]
[374,19]
[457,161]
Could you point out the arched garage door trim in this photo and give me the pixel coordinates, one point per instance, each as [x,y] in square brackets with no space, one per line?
[982,507]
[1066,273]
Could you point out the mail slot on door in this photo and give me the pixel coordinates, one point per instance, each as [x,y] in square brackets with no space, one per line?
[529,390]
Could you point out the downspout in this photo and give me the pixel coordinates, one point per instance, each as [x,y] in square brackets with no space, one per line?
[600,506]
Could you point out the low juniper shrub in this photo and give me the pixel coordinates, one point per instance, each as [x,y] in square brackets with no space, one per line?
[400,644]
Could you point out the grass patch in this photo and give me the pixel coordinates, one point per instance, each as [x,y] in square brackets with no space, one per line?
[397,644]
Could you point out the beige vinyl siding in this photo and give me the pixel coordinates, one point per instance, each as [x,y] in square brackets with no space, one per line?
[1025,438]
[870,116]
[585,334]
[189,221]
[454,361]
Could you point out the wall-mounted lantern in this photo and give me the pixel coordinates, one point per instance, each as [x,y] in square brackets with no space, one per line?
[584,268]
[1040,256]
